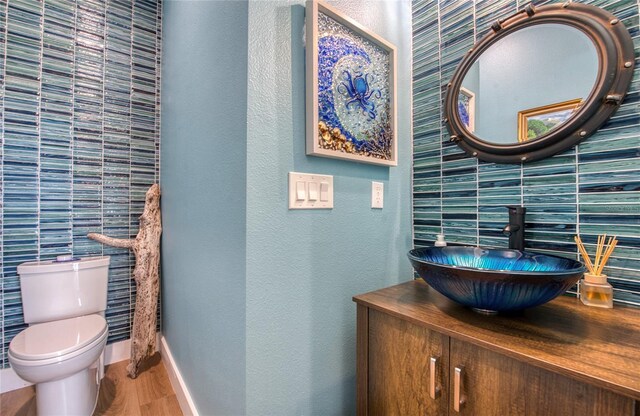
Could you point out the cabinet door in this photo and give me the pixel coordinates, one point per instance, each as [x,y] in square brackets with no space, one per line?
[401,368]
[492,384]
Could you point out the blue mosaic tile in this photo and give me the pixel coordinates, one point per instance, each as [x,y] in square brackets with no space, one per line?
[591,189]
[80,112]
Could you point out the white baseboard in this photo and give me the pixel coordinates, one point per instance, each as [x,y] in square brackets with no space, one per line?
[177,382]
[9,380]
[113,353]
[118,351]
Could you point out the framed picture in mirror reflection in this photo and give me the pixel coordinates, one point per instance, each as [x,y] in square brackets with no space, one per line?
[538,121]
[467,109]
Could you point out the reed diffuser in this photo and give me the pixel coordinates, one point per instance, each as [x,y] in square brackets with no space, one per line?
[594,288]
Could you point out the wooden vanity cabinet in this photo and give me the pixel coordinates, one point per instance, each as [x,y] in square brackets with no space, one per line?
[403,380]
[492,384]
[419,354]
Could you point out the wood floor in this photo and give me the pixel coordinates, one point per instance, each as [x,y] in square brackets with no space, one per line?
[149,394]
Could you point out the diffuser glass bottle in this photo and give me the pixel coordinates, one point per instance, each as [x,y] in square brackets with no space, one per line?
[596,291]
[594,288]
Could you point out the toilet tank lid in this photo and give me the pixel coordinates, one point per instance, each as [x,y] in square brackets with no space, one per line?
[57,338]
[53,266]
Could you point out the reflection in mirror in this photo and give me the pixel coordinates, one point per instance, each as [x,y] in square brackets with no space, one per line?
[528,83]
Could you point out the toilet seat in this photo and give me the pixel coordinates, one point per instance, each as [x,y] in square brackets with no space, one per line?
[57,341]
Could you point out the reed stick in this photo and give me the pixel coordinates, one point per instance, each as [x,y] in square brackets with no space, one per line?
[601,240]
[604,250]
[613,242]
[584,253]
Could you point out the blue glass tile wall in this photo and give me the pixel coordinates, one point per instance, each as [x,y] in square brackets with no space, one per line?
[80,120]
[592,189]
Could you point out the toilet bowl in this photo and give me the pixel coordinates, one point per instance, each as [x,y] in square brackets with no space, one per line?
[64,302]
[63,359]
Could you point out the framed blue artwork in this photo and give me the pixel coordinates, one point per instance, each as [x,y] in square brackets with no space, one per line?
[467,109]
[351,89]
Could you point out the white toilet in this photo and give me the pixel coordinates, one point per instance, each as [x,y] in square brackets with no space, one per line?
[61,351]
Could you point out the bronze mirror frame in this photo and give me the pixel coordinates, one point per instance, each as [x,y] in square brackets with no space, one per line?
[615,51]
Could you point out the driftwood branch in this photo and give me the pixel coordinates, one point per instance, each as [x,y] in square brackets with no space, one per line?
[110,241]
[146,247]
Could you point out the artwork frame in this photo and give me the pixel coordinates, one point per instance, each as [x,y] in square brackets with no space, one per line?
[562,111]
[350,114]
[470,97]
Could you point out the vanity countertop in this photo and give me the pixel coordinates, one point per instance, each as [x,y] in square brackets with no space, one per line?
[598,346]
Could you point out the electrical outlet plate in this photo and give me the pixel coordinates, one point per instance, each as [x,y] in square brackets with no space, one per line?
[377,195]
[310,191]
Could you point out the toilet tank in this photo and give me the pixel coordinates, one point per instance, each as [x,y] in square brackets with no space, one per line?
[59,289]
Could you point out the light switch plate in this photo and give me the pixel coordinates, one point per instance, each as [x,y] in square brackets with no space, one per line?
[377,194]
[319,187]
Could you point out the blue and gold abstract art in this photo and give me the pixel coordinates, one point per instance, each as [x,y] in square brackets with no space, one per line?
[354,93]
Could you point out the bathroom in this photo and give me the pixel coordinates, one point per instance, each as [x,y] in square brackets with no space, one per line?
[207,98]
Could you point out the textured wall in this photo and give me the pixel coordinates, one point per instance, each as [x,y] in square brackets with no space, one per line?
[204,135]
[80,137]
[303,267]
[590,190]
[256,298]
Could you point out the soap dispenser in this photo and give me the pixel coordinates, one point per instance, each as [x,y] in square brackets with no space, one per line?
[440,241]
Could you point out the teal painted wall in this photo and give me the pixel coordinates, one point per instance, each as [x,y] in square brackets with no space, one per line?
[204,140]
[260,320]
[303,267]
[285,342]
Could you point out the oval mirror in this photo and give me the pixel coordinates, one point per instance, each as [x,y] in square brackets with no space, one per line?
[540,82]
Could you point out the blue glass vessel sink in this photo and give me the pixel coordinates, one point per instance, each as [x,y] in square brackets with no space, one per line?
[491,281]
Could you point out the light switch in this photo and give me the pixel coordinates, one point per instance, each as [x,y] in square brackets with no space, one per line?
[377,195]
[324,191]
[310,191]
[313,191]
[300,191]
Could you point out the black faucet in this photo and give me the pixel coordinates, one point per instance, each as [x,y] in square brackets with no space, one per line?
[515,228]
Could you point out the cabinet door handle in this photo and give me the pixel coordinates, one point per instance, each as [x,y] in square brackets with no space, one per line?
[458,398]
[434,391]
